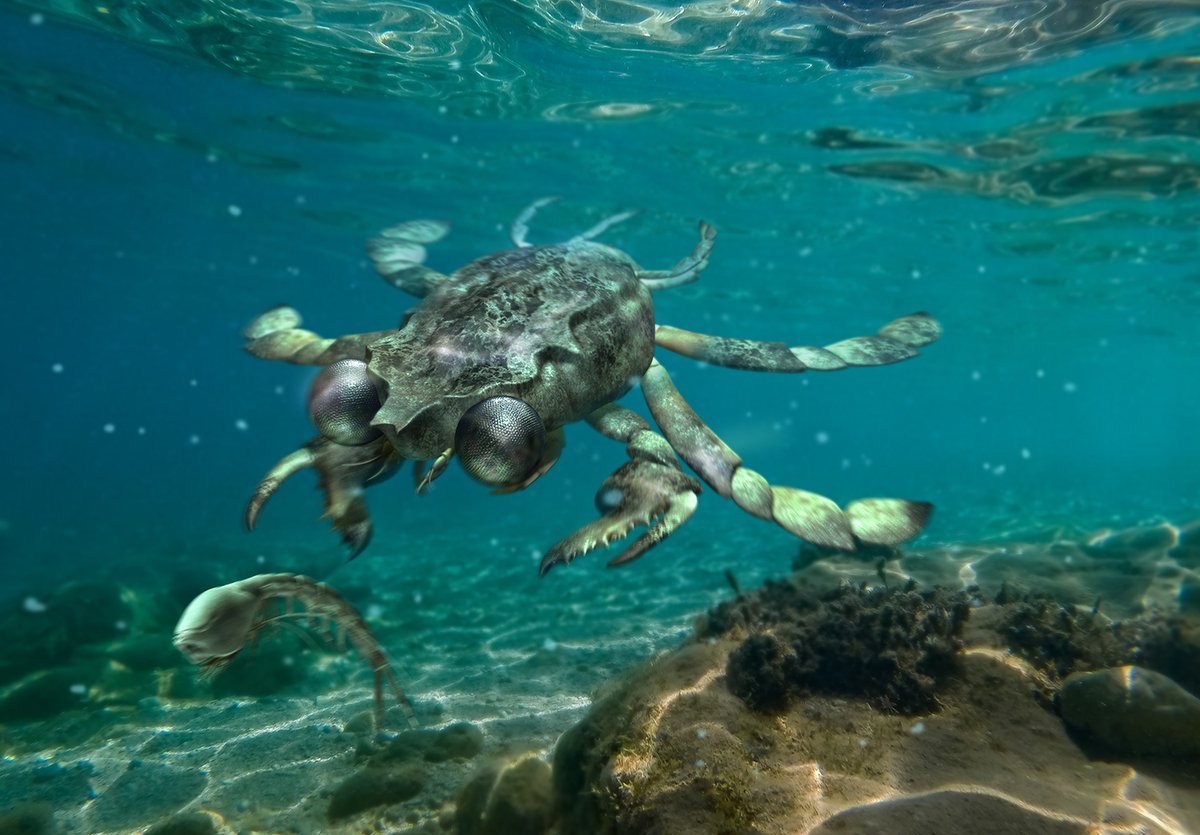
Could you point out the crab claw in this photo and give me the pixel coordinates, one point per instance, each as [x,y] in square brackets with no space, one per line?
[342,473]
[638,493]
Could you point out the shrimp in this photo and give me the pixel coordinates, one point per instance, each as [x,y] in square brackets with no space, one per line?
[218,624]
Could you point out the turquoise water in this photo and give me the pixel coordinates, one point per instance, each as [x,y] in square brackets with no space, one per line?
[1026,172]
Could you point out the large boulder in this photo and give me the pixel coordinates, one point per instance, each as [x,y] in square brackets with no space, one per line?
[733,732]
[514,798]
[1132,710]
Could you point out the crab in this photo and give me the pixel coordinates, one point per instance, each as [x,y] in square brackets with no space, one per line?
[502,354]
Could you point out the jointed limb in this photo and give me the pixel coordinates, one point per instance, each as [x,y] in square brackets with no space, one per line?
[650,485]
[343,472]
[895,341]
[603,226]
[688,269]
[809,516]
[520,226]
[277,335]
[399,255]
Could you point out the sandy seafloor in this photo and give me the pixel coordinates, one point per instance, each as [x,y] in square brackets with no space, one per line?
[472,637]
[475,636]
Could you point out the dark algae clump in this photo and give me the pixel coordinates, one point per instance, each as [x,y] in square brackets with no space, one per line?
[1058,639]
[891,646]
[1061,639]
[763,672]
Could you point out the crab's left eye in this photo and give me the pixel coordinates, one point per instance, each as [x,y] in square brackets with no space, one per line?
[500,440]
[342,402]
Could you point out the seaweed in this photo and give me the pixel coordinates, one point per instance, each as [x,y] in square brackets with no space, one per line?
[893,647]
[761,672]
[1059,639]
[777,601]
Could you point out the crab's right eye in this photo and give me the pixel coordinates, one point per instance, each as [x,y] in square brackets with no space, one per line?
[500,440]
[342,402]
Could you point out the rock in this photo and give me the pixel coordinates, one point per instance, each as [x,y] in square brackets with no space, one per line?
[90,612]
[947,813]
[45,694]
[473,799]
[27,819]
[375,786]
[1155,539]
[410,746]
[513,800]
[1187,548]
[141,652]
[1132,710]
[362,722]
[196,823]
[893,646]
[671,749]
[460,741]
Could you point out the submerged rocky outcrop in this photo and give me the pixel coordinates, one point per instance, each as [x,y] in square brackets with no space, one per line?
[856,709]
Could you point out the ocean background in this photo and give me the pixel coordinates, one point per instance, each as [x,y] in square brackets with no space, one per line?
[1026,172]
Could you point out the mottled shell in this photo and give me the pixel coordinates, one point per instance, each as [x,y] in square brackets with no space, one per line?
[566,328]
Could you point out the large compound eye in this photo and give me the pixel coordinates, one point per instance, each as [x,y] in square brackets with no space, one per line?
[500,440]
[342,402]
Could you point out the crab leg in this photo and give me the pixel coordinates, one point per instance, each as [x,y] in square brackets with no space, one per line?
[342,472]
[520,226]
[287,467]
[601,227]
[277,335]
[895,341]
[436,469]
[649,485]
[399,255]
[809,516]
[688,269]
